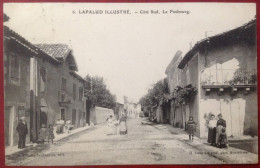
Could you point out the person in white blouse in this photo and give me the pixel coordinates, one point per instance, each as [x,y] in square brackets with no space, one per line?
[212,130]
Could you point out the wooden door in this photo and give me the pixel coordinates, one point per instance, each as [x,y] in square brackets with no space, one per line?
[234,114]
[225,111]
[73,117]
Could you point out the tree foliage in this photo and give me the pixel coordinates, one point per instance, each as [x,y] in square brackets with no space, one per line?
[159,91]
[183,95]
[96,90]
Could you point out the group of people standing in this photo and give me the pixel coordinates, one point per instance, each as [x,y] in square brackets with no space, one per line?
[63,126]
[46,134]
[217,135]
[117,126]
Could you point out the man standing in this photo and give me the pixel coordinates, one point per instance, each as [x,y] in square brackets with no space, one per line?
[22,132]
[221,123]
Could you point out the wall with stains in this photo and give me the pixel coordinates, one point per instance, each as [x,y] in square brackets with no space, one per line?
[239,110]
[16,96]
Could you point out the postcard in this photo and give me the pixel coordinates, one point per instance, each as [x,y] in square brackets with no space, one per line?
[130,84]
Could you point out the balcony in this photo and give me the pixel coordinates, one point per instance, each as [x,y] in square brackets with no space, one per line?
[231,79]
[63,101]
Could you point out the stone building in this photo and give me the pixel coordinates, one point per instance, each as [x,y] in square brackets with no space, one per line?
[174,79]
[40,83]
[223,69]
[59,89]
[17,54]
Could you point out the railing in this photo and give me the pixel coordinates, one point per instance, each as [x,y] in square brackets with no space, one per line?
[228,77]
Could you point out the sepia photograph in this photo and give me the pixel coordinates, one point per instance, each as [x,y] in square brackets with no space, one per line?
[130,84]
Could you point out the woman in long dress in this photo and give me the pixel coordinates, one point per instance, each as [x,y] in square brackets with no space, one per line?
[110,125]
[42,134]
[212,130]
[123,125]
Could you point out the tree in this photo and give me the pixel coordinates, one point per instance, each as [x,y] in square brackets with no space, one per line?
[96,90]
[156,93]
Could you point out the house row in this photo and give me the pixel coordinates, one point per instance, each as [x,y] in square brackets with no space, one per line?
[223,70]
[40,83]
[130,109]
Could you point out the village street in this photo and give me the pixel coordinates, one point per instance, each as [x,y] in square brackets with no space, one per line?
[144,144]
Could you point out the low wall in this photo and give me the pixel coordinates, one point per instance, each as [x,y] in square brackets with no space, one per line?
[99,115]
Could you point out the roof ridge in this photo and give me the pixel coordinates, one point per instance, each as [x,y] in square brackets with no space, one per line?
[199,42]
[52,44]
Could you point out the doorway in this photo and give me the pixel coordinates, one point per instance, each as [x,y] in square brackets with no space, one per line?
[9,117]
[43,118]
[62,114]
[73,117]
[233,111]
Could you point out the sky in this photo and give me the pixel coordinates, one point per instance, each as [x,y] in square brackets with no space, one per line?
[131,51]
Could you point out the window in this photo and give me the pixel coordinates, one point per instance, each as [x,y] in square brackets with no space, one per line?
[73,117]
[188,76]
[74,91]
[63,89]
[80,93]
[42,79]
[63,84]
[62,114]
[14,68]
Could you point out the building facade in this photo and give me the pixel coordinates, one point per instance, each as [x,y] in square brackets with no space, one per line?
[17,54]
[40,83]
[223,68]
[174,79]
[59,89]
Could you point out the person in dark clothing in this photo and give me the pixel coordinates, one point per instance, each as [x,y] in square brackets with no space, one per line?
[223,142]
[22,130]
[50,133]
[221,123]
[191,128]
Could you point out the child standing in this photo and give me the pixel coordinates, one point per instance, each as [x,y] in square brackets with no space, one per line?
[223,138]
[50,133]
[191,128]
[42,133]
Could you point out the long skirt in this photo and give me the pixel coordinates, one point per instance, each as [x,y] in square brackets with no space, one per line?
[212,135]
[123,127]
[218,131]
[110,129]
[191,129]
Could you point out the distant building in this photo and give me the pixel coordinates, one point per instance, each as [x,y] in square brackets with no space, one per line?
[119,109]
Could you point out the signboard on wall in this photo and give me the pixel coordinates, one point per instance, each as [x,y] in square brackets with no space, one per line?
[21,112]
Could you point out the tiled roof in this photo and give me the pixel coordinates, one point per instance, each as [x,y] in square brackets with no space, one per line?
[6,18]
[10,34]
[246,30]
[58,51]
